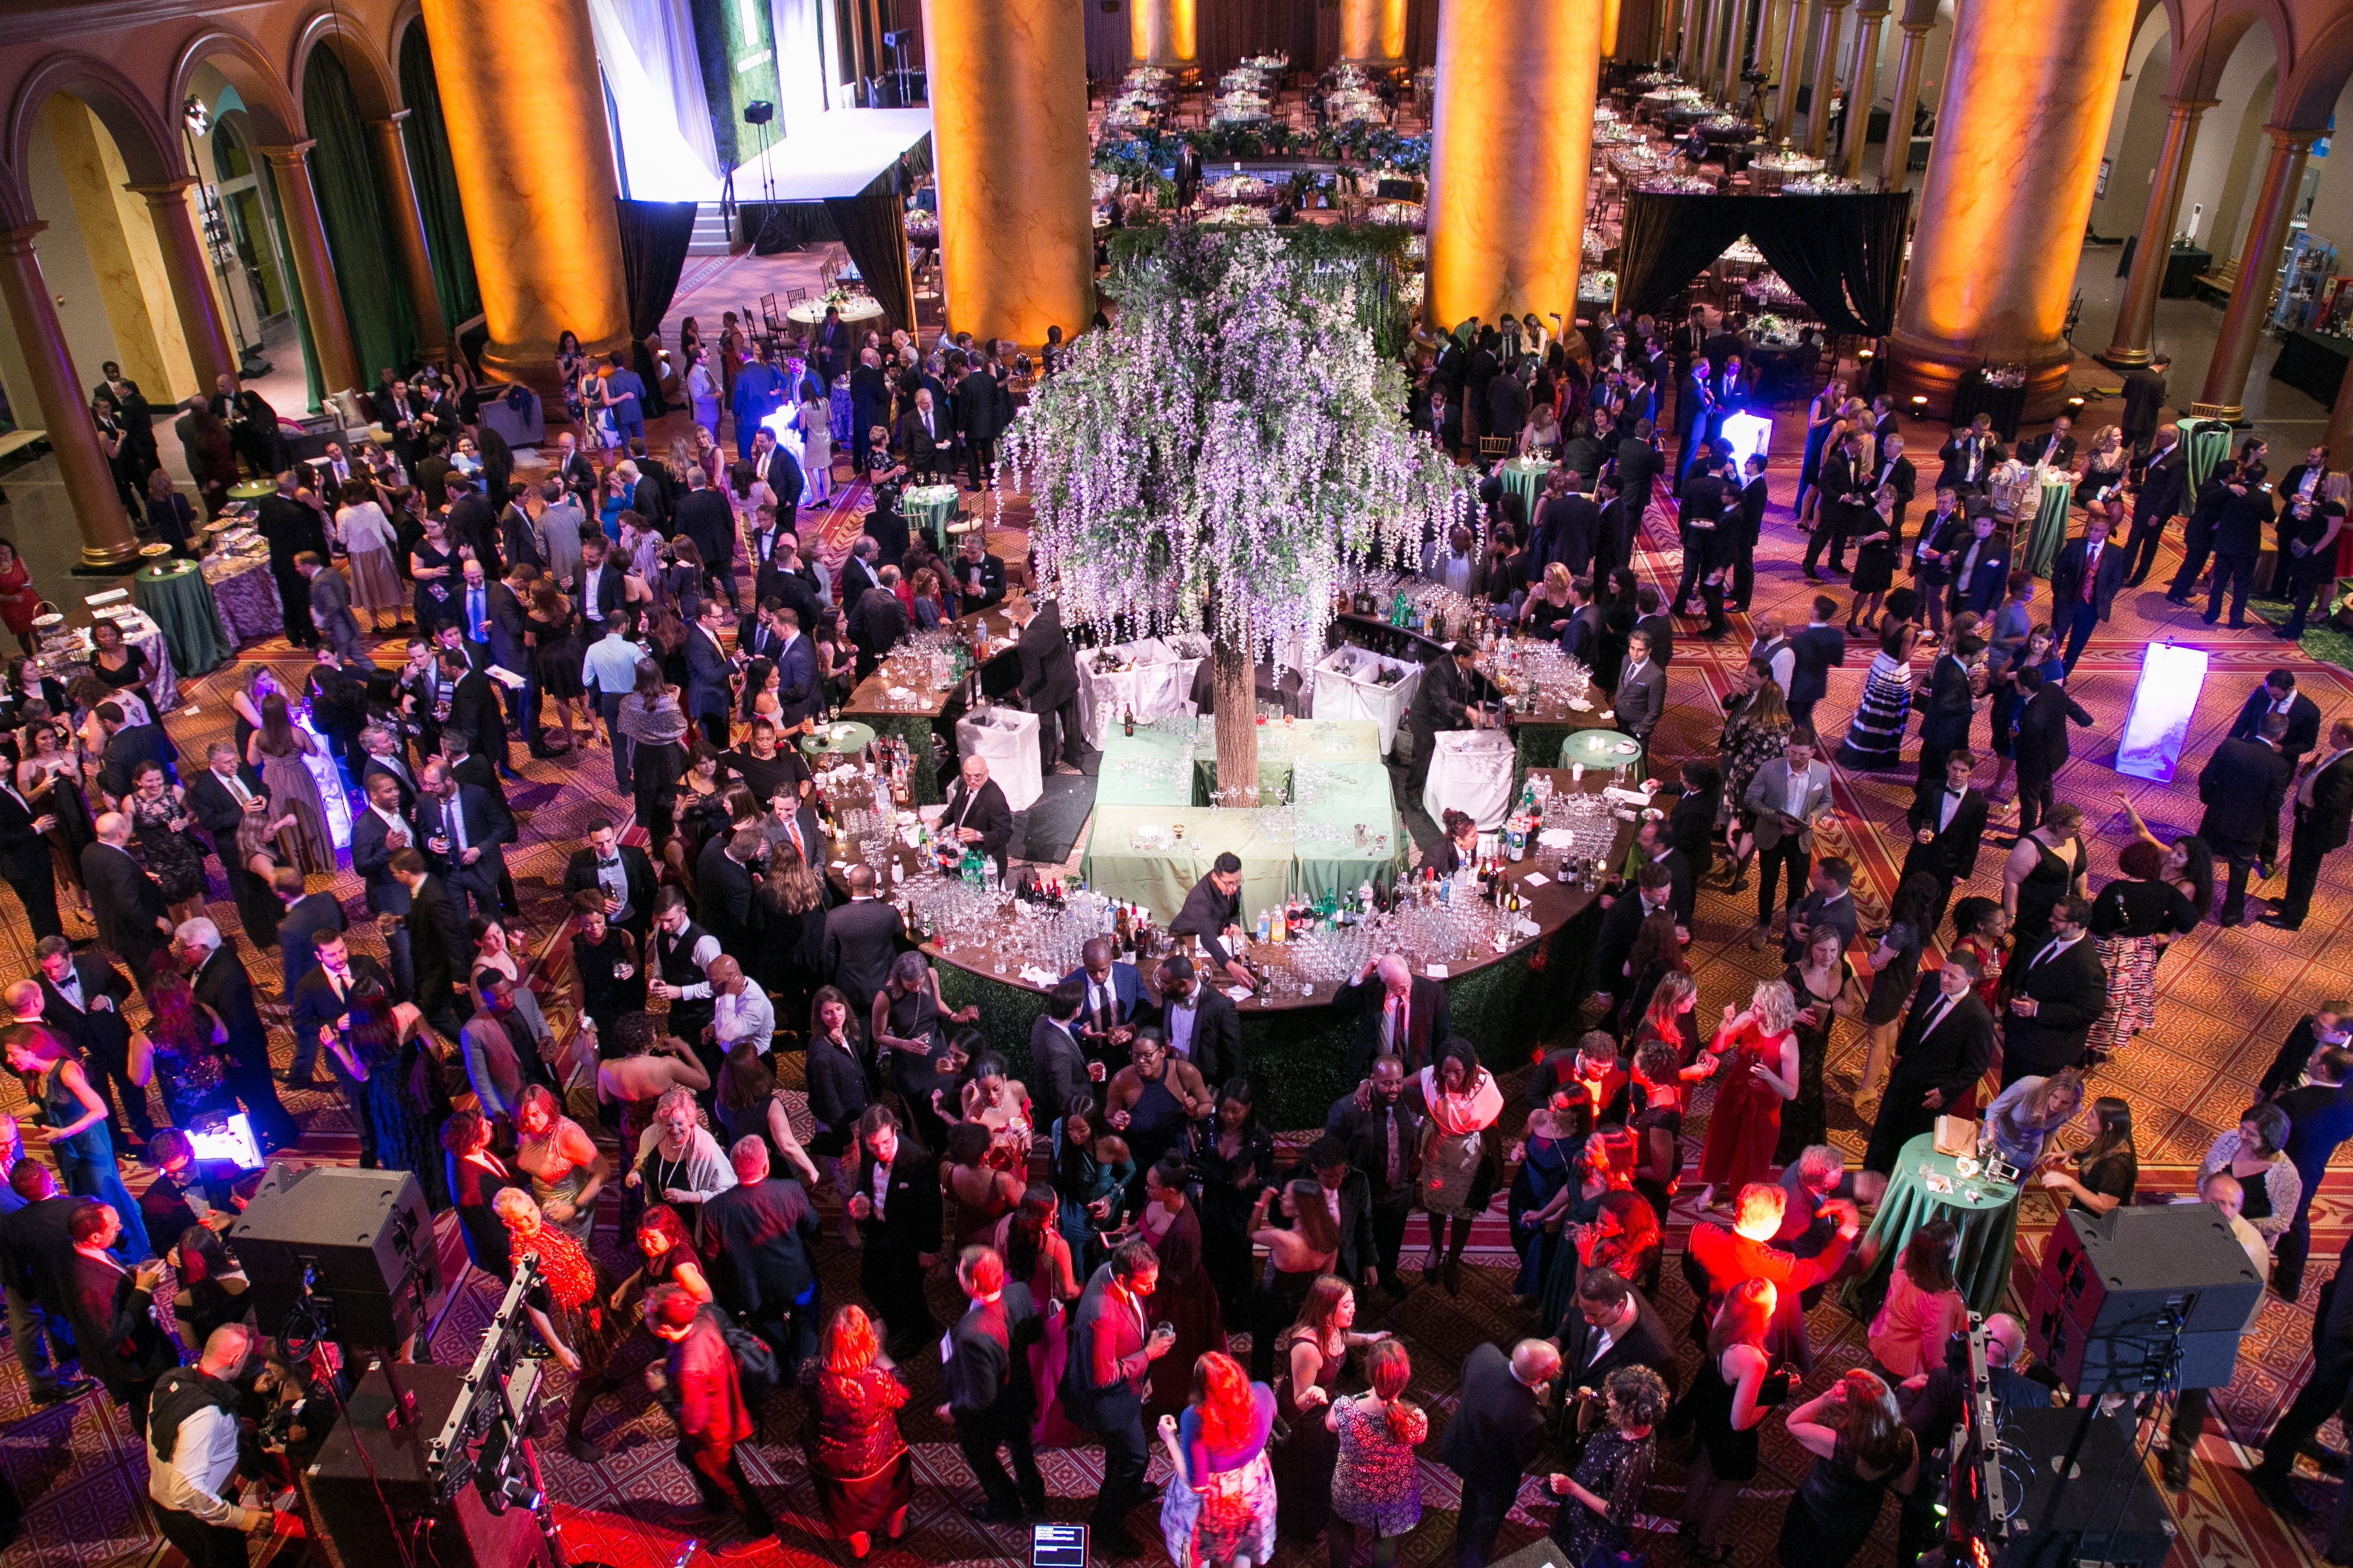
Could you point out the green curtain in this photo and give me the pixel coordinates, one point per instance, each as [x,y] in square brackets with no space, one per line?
[314,386]
[436,184]
[350,206]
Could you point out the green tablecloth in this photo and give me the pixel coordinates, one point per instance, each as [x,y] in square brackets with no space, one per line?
[2205,443]
[253,489]
[177,598]
[844,736]
[1309,739]
[1525,476]
[1160,878]
[933,513]
[1331,799]
[1151,767]
[2049,528]
[1599,748]
[1984,1213]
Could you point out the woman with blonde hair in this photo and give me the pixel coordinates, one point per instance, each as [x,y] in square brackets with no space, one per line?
[1219,1504]
[569,1306]
[1757,1073]
[1375,1484]
[864,1473]
[368,542]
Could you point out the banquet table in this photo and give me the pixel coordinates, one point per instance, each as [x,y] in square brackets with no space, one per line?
[2314,363]
[857,307]
[1345,828]
[930,508]
[1157,682]
[1133,852]
[2050,530]
[1151,767]
[1982,1211]
[175,597]
[1006,740]
[245,596]
[1608,748]
[1470,772]
[1525,476]
[1779,368]
[1345,685]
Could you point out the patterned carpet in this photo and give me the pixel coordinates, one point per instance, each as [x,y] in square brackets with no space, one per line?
[2226,997]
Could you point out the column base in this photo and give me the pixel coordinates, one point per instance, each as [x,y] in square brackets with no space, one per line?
[2228,413]
[535,368]
[97,562]
[2125,359]
[1935,371]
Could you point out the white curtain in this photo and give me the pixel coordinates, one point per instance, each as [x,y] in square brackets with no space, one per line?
[800,64]
[648,51]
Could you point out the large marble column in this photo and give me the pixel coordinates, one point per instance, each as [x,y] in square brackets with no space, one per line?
[1735,38]
[2137,316]
[1863,85]
[1804,17]
[2020,123]
[1918,17]
[1162,33]
[409,237]
[1670,28]
[535,178]
[1509,155]
[2250,300]
[1009,139]
[1609,15]
[210,351]
[1372,32]
[314,268]
[106,536]
[1711,31]
[1824,75]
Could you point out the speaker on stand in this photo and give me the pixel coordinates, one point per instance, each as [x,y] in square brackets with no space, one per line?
[765,241]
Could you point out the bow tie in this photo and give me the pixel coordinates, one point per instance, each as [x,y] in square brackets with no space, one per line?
[608,864]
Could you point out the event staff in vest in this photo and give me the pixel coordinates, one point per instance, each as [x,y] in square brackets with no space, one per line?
[682,955]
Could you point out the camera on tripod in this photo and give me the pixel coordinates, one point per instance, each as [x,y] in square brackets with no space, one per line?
[1753,75]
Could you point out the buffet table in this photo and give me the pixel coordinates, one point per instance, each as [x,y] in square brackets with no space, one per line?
[856,308]
[1469,771]
[1006,740]
[2314,363]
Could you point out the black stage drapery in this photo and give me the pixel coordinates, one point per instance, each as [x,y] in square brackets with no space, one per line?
[654,238]
[1842,255]
[872,225]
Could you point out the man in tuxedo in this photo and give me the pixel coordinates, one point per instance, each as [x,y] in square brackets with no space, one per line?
[1842,483]
[976,813]
[597,589]
[1611,1324]
[1980,565]
[705,518]
[2242,784]
[572,471]
[307,914]
[1699,517]
[2278,695]
[1497,1431]
[1049,683]
[2198,533]
[2323,793]
[1404,1015]
[2083,583]
[217,977]
[710,674]
[1567,524]
[1944,1046]
[474,708]
[1819,646]
[25,861]
[1947,823]
[439,950]
[1106,1379]
[1695,410]
[921,434]
[1637,471]
[379,831]
[1613,944]
[126,904]
[2246,507]
[2164,485]
[1347,1194]
[897,1207]
[986,1388]
[1112,1001]
[465,832]
[2040,748]
[2144,396]
[1951,705]
[1442,701]
[2056,994]
[220,798]
[782,472]
[723,886]
[1200,1022]
[619,871]
[1742,527]
[861,937]
[129,745]
[82,998]
[876,623]
[1787,794]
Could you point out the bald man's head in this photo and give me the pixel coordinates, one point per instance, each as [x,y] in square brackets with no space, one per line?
[1535,1362]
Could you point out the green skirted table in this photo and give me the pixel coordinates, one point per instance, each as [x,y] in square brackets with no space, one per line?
[843,737]
[1610,749]
[177,599]
[253,489]
[1324,741]
[2204,444]
[1984,1214]
[1525,477]
[1345,831]
[2049,530]
[930,508]
[1133,853]
[1151,767]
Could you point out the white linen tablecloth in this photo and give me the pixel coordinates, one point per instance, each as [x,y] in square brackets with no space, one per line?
[1471,772]
[1358,694]
[1159,683]
[1007,739]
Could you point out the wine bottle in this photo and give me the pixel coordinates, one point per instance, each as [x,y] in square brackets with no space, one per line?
[1128,724]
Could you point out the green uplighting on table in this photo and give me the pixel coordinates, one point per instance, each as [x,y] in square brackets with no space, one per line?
[844,737]
[252,490]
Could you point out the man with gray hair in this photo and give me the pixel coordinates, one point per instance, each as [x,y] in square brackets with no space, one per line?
[125,903]
[217,977]
[1498,1428]
[557,532]
[764,1231]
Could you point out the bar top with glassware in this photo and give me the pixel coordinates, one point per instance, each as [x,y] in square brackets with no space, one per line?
[924,676]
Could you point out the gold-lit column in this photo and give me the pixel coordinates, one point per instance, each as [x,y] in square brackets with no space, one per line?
[1609,13]
[1509,154]
[2250,300]
[1671,32]
[1735,51]
[535,180]
[1863,85]
[1824,75]
[1009,137]
[2020,127]
[1372,32]
[1799,25]
[106,534]
[1711,28]
[210,354]
[1919,16]
[2137,316]
[314,268]
[1162,32]
[1695,38]
[409,237]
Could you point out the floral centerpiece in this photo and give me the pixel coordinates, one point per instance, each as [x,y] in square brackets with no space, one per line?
[1773,331]
[1599,285]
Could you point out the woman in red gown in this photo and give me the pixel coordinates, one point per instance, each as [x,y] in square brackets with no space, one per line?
[1756,1053]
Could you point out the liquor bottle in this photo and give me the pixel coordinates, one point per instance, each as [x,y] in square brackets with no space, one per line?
[1120,933]
[1278,926]
[1128,724]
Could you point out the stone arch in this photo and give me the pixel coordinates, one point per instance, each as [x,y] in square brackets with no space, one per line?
[409,13]
[2306,100]
[273,116]
[150,151]
[2203,50]
[376,89]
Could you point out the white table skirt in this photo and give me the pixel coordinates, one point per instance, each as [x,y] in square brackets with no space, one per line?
[1471,774]
[1008,741]
[1160,683]
[1358,695]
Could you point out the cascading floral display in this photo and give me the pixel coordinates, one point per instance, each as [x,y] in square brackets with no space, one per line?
[1212,459]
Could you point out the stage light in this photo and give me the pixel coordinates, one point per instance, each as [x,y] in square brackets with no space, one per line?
[2171,676]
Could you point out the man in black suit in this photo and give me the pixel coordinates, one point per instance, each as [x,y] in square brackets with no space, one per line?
[1568,527]
[1819,646]
[2278,694]
[82,998]
[1212,907]
[1580,634]
[861,937]
[25,862]
[1049,683]
[2083,583]
[1893,470]
[2164,485]
[217,977]
[1980,565]
[975,812]
[1945,1042]
[1347,1194]
[920,435]
[1699,519]
[508,624]
[1402,1014]
[2323,793]
[1200,1022]
[35,1247]
[220,798]
[474,709]
[1614,945]
[307,914]
[465,832]
[2056,994]
[1934,553]
[1969,456]
[1637,464]
[1948,823]
[1695,409]
[125,903]
[112,1310]
[2144,394]
[2040,748]
[985,1389]
[1441,702]
[291,526]
[704,517]
[1951,707]
[2198,533]
[597,589]
[379,831]
[1058,1063]
[128,746]
[761,1234]
[2246,507]
[439,950]
[2055,447]
[780,469]
[320,1008]
[1497,1429]
[620,872]
[2242,784]
[723,886]
[1842,483]
[2327,1026]
[876,623]
[900,1230]
[1611,1324]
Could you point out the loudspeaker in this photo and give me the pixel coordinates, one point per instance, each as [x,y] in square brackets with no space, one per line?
[2109,1514]
[2114,1287]
[759,112]
[365,1239]
[362,1454]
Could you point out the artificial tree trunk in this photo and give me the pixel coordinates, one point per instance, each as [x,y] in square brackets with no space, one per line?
[1234,684]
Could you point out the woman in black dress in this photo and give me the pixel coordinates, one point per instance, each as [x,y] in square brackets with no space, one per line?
[1862,1449]
[160,843]
[1823,982]
[114,661]
[557,658]
[1234,1157]
[1724,1406]
[1874,561]
[433,567]
[788,904]
[388,1055]
[2049,864]
[2101,1174]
